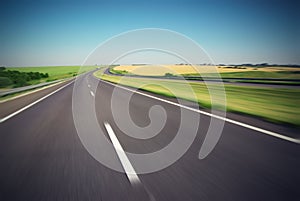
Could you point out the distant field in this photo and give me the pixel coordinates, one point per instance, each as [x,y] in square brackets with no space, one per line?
[276,105]
[225,71]
[161,70]
[55,72]
[12,77]
[284,74]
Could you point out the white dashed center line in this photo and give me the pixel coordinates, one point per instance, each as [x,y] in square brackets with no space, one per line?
[129,170]
[92,93]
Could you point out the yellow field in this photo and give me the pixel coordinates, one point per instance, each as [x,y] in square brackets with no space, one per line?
[160,70]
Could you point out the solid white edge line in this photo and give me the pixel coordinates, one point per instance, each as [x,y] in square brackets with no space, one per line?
[261,130]
[129,170]
[33,103]
[92,93]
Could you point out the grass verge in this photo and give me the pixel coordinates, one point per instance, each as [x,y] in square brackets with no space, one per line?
[275,105]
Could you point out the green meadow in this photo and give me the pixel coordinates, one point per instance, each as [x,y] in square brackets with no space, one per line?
[279,105]
[54,72]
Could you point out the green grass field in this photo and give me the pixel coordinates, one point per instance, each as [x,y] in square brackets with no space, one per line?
[275,105]
[55,72]
[255,74]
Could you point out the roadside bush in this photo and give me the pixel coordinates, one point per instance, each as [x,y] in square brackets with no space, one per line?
[169,75]
[4,81]
[19,79]
[20,82]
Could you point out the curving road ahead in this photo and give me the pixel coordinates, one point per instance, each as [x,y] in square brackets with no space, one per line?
[42,157]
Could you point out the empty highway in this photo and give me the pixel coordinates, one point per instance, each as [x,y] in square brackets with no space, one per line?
[42,157]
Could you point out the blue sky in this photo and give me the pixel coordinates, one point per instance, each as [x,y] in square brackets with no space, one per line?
[65,32]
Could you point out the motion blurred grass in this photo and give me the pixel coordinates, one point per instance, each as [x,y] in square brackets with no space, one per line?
[263,74]
[256,74]
[279,105]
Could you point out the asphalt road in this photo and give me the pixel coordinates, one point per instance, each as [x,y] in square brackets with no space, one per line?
[43,158]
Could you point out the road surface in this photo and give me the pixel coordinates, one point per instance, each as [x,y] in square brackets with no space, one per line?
[42,157]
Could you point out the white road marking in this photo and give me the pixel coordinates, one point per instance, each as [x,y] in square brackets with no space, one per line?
[33,103]
[261,130]
[92,93]
[129,170]
[89,86]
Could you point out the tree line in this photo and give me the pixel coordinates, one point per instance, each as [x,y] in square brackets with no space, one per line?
[17,78]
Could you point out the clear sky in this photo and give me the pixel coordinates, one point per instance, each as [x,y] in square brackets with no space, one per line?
[62,32]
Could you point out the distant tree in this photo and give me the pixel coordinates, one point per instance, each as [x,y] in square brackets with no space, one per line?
[4,81]
[37,75]
[18,78]
[246,64]
[20,82]
[169,75]
[264,64]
